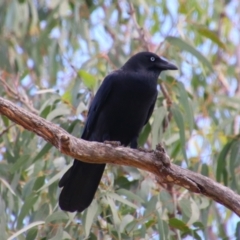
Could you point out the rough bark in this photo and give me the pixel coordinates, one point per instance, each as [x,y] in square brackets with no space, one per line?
[156,162]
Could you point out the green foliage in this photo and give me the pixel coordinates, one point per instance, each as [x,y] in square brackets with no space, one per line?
[53,54]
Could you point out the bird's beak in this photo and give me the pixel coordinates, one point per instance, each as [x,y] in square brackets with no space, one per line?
[164,65]
[170,66]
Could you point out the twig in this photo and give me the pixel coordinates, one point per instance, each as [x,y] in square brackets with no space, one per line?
[14,93]
[168,118]
[140,30]
[6,129]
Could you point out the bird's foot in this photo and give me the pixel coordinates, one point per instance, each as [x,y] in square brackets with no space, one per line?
[162,156]
[113,143]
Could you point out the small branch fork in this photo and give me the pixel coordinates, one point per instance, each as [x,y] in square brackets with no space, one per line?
[156,162]
[12,92]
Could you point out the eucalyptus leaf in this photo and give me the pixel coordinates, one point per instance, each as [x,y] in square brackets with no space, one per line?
[183,45]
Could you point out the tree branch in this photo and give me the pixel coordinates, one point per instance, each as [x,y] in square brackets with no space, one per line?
[6,129]
[142,36]
[156,162]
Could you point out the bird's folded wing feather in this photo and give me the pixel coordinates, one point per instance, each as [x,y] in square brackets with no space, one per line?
[97,104]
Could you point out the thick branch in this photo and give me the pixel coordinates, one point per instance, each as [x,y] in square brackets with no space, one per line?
[156,162]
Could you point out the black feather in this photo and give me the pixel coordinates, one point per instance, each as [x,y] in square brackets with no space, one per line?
[121,107]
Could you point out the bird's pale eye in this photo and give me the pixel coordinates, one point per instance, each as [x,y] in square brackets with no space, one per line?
[152,59]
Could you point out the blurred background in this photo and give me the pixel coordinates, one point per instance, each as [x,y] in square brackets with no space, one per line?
[54,54]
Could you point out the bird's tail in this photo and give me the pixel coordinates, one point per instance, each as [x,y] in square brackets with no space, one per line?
[79,184]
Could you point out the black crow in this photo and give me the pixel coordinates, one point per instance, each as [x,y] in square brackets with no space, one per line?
[122,106]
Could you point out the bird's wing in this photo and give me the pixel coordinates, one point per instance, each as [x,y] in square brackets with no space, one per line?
[150,111]
[80,182]
[134,141]
[97,104]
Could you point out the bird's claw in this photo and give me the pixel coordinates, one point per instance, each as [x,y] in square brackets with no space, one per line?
[162,156]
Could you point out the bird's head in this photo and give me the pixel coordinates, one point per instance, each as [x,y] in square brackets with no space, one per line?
[147,61]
